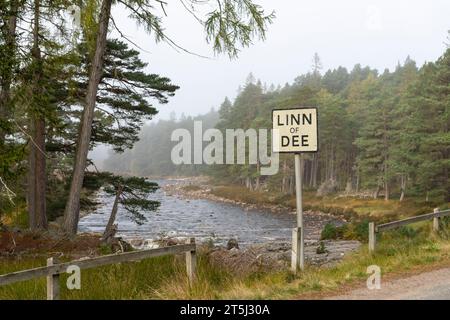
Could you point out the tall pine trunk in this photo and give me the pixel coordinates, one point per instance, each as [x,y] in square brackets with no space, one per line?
[284,180]
[386,179]
[31,189]
[41,176]
[291,184]
[257,180]
[446,175]
[403,187]
[386,191]
[37,162]
[248,183]
[357,179]
[316,167]
[386,158]
[72,211]
[109,229]
[377,192]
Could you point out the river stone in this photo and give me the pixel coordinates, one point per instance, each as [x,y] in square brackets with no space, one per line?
[277,255]
[232,243]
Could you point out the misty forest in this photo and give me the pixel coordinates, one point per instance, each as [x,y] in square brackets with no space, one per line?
[386,133]
[87,177]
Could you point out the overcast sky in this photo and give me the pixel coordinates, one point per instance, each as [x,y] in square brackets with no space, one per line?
[374,33]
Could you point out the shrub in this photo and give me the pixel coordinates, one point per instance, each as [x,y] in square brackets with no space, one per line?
[362,230]
[321,248]
[349,233]
[352,231]
[331,232]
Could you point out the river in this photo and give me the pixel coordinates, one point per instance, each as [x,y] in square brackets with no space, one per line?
[205,220]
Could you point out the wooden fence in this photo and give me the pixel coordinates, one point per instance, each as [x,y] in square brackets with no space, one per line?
[54,269]
[374,229]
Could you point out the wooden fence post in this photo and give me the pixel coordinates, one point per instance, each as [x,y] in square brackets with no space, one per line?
[436,221]
[296,250]
[191,262]
[52,281]
[372,237]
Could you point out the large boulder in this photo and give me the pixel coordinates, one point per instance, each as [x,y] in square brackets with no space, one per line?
[232,244]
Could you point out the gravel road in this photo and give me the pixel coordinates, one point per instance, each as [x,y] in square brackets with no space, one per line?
[433,285]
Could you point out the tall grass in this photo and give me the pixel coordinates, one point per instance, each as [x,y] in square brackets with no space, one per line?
[165,277]
[133,280]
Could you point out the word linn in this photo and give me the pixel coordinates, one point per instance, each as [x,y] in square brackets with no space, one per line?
[295,130]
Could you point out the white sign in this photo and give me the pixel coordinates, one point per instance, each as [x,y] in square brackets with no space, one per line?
[295,130]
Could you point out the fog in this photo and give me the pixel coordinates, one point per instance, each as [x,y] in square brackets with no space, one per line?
[374,33]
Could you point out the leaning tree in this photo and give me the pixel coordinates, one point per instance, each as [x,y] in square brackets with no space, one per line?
[228,26]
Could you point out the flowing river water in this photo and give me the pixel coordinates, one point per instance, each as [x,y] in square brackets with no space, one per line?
[205,220]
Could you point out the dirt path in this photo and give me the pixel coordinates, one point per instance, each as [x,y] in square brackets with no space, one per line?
[432,285]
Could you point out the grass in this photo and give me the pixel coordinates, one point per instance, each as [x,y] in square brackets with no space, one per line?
[134,280]
[165,278]
[377,209]
[398,252]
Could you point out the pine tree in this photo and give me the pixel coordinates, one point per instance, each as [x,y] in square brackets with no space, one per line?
[429,118]
[402,160]
[375,141]
[333,135]
[130,193]
[228,26]
[123,106]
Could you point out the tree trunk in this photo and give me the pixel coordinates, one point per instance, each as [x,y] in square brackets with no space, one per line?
[376,193]
[291,184]
[284,178]
[37,162]
[31,188]
[307,171]
[316,170]
[41,176]
[349,186]
[386,178]
[386,159]
[357,180]
[248,183]
[332,165]
[386,191]
[109,229]
[72,211]
[257,182]
[446,179]
[403,187]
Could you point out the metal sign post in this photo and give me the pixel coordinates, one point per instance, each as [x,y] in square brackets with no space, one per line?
[298,255]
[296,131]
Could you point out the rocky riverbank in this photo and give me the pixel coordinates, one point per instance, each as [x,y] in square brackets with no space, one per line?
[199,188]
[270,255]
[277,256]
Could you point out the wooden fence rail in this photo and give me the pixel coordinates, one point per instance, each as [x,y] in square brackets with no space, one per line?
[54,269]
[373,229]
